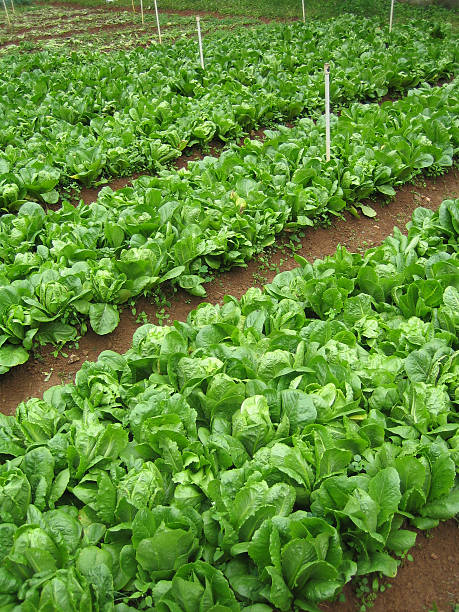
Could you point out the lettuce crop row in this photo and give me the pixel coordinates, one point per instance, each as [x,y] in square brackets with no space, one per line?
[256,457]
[60,268]
[128,34]
[78,117]
[315,9]
[40,19]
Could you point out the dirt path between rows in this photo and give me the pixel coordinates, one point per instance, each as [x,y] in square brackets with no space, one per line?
[428,583]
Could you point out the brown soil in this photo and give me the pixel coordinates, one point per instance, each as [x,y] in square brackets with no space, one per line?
[429,582]
[90,194]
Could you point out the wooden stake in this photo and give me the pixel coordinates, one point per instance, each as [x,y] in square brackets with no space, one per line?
[141,10]
[6,13]
[12,6]
[304,14]
[391,15]
[133,7]
[157,23]
[201,56]
[327,110]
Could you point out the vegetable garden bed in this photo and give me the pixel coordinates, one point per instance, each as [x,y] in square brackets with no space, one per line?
[51,365]
[303,438]
[298,434]
[251,77]
[63,267]
[52,28]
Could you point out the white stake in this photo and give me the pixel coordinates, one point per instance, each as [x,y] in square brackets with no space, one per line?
[157,22]
[6,13]
[141,10]
[304,15]
[391,15]
[327,110]
[198,23]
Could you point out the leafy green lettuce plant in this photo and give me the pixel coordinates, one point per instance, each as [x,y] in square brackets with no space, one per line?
[84,116]
[257,456]
[63,267]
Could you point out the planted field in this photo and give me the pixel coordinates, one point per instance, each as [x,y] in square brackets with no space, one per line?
[139,110]
[60,268]
[346,435]
[281,449]
[54,28]
[291,9]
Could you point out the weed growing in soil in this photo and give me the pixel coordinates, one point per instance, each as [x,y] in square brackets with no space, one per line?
[161,315]
[367,590]
[142,318]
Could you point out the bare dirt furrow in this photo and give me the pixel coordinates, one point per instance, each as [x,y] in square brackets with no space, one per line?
[427,580]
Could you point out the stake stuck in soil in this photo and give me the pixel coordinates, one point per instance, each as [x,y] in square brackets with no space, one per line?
[201,56]
[327,110]
[157,22]
[6,13]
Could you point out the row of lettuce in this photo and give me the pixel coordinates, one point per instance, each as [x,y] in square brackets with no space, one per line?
[255,457]
[77,117]
[59,269]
